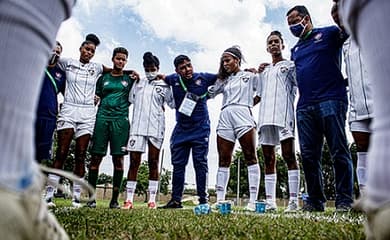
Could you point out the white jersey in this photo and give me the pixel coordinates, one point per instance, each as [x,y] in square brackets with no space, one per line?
[148,98]
[360,95]
[80,81]
[277,90]
[237,89]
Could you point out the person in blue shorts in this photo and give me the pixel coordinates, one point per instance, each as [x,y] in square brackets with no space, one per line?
[47,110]
[322,107]
[192,130]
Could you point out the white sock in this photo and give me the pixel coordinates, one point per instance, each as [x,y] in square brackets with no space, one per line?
[254,181]
[130,190]
[361,169]
[76,191]
[270,188]
[153,185]
[53,181]
[293,184]
[223,175]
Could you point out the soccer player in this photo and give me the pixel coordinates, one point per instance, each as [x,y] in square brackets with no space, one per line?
[322,106]
[28,30]
[276,94]
[363,18]
[77,114]
[236,122]
[112,123]
[45,124]
[360,101]
[147,127]
[192,129]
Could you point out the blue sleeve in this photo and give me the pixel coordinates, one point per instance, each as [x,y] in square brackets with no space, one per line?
[210,78]
[170,79]
[339,35]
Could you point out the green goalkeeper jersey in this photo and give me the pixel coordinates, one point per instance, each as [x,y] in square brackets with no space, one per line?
[114,95]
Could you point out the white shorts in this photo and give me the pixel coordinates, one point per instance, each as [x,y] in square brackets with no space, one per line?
[273,135]
[137,143]
[80,118]
[234,122]
[361,126]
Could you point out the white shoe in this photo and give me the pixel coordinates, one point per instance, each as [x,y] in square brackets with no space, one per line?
[25,216]
[50,203]
[76,203]
[270,207]
[251,207]
[292,206]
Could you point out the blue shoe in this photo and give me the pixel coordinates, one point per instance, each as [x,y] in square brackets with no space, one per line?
[202,209]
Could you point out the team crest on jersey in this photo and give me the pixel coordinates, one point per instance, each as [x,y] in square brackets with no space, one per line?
[58,75]
[198,82]
[318,37]
[106,83]
[158,89]
[124,83]
[132,142]
[283,69]
[245,79]
[91,71]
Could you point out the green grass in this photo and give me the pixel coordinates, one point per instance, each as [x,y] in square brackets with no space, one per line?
[142,223]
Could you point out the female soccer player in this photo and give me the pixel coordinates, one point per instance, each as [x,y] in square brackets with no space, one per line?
[112,122]
[236,121]
[147,127]
[276,94]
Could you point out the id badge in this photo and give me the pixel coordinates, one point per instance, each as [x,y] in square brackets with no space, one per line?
[188,104]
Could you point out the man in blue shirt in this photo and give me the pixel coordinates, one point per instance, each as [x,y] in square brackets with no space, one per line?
[53,83]
[192,129]
[322,106]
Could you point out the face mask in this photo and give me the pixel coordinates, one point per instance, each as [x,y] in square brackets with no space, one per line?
[151,75]
[53,59]
[298,29]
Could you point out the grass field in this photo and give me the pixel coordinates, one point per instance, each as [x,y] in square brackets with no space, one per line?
[142,223]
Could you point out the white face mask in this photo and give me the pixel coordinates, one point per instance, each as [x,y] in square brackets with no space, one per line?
[151,75]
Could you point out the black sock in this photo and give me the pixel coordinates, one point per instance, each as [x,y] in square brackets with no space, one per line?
[116,182]
[92,177]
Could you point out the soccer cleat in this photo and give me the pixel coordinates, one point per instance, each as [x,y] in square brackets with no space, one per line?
[307,207]
[114,205]
[24,215]
[50,203]
[292,206]
[76,203]
[251,207]
[91,204]
[152,205]
[270,207]
[343,208]
[127,205]
[172,204]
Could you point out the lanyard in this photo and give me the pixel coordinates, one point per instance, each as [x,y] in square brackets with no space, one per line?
[186,90]
[52,80]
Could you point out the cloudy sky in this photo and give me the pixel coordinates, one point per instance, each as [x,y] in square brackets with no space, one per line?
[201,29]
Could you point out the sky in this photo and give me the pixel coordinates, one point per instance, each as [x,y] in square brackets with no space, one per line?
[201,29]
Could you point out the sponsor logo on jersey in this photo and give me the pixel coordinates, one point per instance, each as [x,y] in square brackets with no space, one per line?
[106,83]
[124,83]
